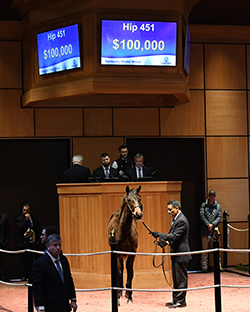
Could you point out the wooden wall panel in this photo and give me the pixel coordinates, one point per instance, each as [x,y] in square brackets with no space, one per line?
[226,113]
[59,122]
[14,121]
[136,121]
[237,239]
[225,66]
[186,119]
[10,64]
[233,196]
[227,157]
[248,66]
[196,77]
[98,121]
[92,148]
[248,93]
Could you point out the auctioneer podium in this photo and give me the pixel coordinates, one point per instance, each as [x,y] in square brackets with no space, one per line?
[84,211]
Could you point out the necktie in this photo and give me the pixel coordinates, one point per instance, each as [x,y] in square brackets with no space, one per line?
[59,269]
[139,172]
[107,173]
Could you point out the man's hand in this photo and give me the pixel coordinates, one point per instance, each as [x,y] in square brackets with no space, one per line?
[73,306]
[155,234]
[162,243]
[210,227]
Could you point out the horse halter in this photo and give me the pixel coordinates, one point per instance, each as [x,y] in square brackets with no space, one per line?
[132,210]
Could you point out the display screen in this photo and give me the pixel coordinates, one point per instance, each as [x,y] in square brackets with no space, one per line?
[58,50]
[138,43]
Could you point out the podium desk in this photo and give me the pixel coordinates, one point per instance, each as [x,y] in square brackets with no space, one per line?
[84,211]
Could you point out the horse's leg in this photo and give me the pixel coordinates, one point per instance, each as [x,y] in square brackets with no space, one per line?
[130,274]
[120,277]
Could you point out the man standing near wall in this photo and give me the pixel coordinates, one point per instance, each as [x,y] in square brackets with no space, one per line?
[210,215]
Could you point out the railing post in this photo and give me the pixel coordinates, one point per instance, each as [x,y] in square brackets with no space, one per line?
[114,294]
[30,299]
[225,241]
[217,290]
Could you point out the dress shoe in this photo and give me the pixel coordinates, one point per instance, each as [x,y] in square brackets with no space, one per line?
[169,303]
[178,305]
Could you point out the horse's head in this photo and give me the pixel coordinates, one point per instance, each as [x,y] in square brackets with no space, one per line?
[133,201]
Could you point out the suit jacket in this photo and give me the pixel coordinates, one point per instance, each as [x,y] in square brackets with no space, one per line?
[48,288]
[99,172]
[132,173]
[178,238]
[77,174]
[23,224]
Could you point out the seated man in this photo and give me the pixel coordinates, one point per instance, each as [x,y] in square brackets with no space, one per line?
[105,171]
[139,170]
[77,173]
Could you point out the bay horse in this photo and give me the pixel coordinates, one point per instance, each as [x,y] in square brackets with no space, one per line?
[123,229]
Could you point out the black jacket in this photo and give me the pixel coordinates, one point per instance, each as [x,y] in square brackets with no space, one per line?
[76,174]
[48,288]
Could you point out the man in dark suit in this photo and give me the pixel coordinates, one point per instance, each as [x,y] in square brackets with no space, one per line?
[123,163]
[29,231]
[53,286]
[139,170]
[77,173]
[105,171]
[177,238]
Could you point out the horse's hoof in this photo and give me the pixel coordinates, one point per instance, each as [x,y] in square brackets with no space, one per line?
[129,301]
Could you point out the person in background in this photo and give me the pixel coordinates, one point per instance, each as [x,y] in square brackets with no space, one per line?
[46,232]
[29,231]
[52,282]
[77,173]
[177,239]
[123,163]
[139,170]
[210,216]
[4,241]
[105,171]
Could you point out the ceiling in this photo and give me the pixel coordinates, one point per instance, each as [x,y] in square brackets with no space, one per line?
[211,12]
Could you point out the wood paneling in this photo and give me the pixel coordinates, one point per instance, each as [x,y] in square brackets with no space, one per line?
[136,121]
[186,119]
[225,66]
[10,64]
[59,122]
[84,213]
[237,239]
[227,157]
[232,195]
[14,121]
[92,148]
[196,77]
[98,121]
[248,66]
[11,30]
[220,33]
[226,113]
